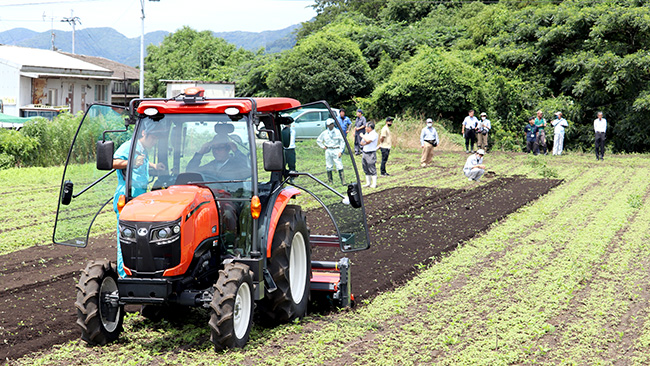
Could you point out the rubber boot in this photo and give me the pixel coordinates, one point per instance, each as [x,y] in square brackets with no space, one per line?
[367,181]
[342,177]
[329,177]
[374,182]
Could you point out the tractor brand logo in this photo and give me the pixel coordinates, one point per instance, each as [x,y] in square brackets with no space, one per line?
[142,231]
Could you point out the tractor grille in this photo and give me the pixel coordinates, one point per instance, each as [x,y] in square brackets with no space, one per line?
[149,248]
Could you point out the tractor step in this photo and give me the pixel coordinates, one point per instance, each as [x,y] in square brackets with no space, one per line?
[333,278]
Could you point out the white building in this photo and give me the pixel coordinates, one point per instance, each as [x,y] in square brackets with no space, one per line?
[213,89]
[34,80]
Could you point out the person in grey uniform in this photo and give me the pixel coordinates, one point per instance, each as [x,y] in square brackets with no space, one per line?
[369,159]
[474,168]
[331,140]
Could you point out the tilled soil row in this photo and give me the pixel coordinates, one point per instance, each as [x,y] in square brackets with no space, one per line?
[408,226]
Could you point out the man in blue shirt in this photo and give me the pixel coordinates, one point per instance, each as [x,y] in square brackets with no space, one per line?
[139,175]
[344,121]
[531,136]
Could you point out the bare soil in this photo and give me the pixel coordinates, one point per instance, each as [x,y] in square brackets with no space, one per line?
[408,226]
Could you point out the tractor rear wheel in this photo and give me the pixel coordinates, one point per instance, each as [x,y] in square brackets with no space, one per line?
[98,313]
[290,267]
[231,308]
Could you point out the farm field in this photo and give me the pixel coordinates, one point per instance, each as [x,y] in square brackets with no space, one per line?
[518,269]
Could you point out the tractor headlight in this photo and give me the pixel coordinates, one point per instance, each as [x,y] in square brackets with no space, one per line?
[165,234]
[127,233]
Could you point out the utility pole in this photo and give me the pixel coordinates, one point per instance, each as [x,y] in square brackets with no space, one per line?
[52,36]
[72,21]
[142,51]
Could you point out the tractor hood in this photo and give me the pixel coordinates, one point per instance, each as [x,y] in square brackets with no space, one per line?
[165,204]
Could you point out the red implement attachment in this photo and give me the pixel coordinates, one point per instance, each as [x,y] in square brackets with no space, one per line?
[331,278]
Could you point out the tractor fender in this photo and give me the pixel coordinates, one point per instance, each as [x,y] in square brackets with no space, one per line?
[278,207]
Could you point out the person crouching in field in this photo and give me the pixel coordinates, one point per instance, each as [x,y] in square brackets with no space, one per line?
[474,168]
[428,140]
[369,159]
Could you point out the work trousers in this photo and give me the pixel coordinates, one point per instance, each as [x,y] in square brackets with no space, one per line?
[290,158]
[384,158]
[368,162]
[558,143]
[600,144]
[357,141]
[541,142]
[530,146]
[332,158]
[470,139]
[475,174]
[482,141]
[427,154]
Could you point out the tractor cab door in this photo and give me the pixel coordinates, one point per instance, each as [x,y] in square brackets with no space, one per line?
[326,172]
[85,190]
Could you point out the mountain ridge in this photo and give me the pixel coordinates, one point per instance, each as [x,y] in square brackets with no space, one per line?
[113,45]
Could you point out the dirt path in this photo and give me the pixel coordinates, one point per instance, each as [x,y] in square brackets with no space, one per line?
[409,225]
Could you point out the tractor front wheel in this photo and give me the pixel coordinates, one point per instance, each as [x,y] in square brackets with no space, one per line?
[231,309]
[290,267]
[98,311]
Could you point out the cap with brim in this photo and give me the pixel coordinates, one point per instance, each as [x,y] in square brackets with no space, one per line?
[558,113]
[389,119]
[429,120]
[484,114]
[359,110]
[480,152]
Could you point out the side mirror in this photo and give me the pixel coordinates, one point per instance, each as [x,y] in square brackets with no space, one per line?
[66,195]
[273,156]
[104,155]
[353,195]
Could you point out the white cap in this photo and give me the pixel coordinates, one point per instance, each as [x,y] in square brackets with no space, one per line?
[484,114]
[429,120]
[480,152]
[558,113]
[330,121]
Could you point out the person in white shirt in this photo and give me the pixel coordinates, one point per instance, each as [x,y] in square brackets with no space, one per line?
[600,128]
[428,140]
[558,139]
[369,158]
[474,168]
[331,140]
[470,124]
[484,127]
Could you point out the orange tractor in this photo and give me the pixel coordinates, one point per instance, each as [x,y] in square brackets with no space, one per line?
[204,214]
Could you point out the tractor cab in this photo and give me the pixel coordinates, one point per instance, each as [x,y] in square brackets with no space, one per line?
[197,198]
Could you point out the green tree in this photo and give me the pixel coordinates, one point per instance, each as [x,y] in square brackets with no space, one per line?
[322,66]
[190,55]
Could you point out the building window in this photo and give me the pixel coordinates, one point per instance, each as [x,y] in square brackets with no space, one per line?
[53,97]
[100,93]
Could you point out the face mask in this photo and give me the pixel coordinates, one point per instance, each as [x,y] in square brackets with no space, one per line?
[483,118]
[429,124]
[389,124]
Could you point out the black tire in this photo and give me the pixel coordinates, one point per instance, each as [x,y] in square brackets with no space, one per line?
[93,313]
[280,305]
[231,309]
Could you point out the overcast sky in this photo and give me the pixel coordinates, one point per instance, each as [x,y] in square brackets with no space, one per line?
[167,15]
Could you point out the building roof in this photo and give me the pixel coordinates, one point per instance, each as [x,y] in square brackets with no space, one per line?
[120,71]
[34,60]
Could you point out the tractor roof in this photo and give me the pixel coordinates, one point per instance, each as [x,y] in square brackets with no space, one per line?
[264,105]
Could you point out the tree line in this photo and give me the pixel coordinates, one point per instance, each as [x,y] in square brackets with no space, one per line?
[441,58]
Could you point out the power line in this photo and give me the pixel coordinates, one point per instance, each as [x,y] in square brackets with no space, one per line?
[51,2]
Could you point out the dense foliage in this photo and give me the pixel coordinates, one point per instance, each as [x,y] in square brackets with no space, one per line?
[441,58]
